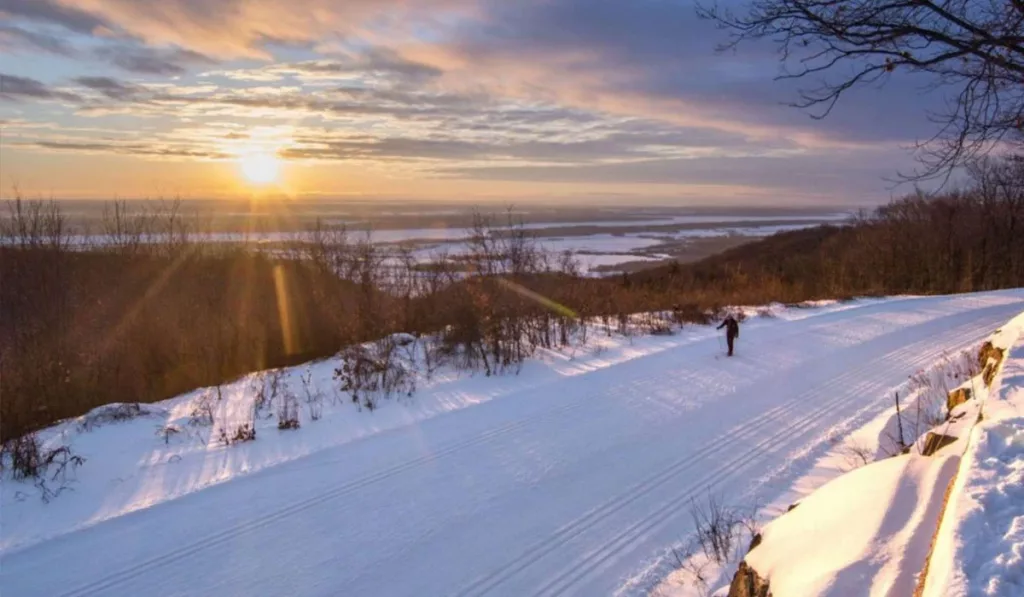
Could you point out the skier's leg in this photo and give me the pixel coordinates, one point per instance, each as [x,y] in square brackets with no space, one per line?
[730,340]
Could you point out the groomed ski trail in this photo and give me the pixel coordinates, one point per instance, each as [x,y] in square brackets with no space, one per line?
[561,489]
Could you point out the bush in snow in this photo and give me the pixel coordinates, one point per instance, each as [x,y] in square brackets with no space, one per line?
[246,432]
[26,458]
[166,432]
[268,387]
[202,413]
[719,529]
[288,410]
[115,413]
[856,454]
[718,540]
[369,372]
[314,397]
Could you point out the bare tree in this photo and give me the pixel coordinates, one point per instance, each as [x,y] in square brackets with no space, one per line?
[974,48]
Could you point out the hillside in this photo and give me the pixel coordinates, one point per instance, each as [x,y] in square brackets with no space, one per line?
[137,321]
[944,244]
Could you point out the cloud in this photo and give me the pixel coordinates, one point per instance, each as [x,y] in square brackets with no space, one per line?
[245,28]
[377,66]
[375,60]
[18,39]
[111,88]
[56,13]
[647,58]
[437,129]
[152,61]
[14,88]
[658,58]
[492,126]
[128,148]
[581,91]
[838,174]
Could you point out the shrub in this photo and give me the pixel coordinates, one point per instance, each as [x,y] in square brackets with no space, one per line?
[246,432]
[369,372]
[288,410]
[202,412]
[114,413]
[27,459]
[167,432]
[719,528]
[314,397]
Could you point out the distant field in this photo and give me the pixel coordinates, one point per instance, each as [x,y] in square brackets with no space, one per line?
[606,240]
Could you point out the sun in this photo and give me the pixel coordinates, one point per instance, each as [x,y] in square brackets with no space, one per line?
[259,168]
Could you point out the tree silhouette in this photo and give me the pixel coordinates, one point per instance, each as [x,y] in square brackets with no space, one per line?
[971,48]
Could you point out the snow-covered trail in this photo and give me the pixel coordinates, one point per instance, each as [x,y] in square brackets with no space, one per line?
[562,489]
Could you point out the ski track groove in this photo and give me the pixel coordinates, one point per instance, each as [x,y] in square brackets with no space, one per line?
[592,518]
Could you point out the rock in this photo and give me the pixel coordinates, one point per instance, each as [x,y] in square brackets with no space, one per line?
[989,358]
[792,507]
[956,398]
[989,373]
[754,542]
[989,352]
[747,583]
[933,442]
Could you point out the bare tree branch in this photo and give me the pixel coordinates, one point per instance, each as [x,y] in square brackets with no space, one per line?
[975,47]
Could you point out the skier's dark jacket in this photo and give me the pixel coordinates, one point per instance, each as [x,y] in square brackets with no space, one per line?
[733,330]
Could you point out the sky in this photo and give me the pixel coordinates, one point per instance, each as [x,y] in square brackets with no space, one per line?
[475,100]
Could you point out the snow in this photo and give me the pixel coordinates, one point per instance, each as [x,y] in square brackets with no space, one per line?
[866,437]
[727,230]
[597,243]
[871,531]
[980,546]
[589,262]
[867,532]
[571,477]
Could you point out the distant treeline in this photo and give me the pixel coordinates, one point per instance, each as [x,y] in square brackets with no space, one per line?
[154,311]
[965,240]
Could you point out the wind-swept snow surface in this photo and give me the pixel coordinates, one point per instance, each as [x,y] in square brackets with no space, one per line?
[565,480]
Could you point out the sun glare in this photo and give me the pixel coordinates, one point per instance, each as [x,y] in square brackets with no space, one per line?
[259,168]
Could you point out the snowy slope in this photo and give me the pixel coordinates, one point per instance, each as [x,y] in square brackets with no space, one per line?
[566,479]
[980,547]
[864,533]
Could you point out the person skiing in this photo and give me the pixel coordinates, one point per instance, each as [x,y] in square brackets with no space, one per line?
[732,330]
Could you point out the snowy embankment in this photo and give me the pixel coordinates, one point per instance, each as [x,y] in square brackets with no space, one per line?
[571,477]
[934,509]
[979,549]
